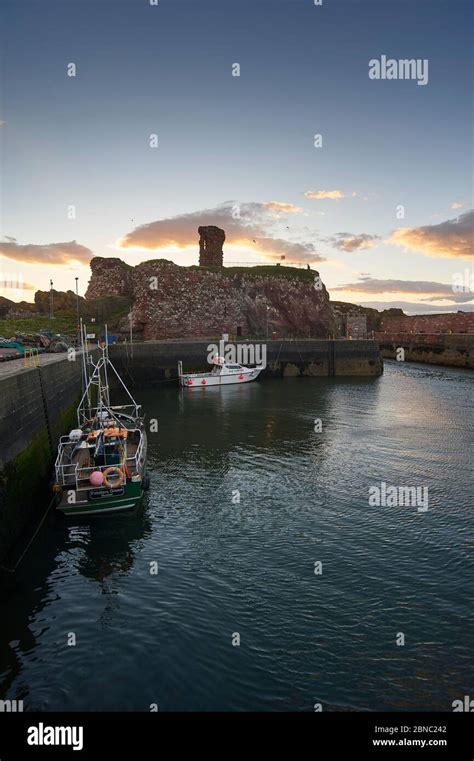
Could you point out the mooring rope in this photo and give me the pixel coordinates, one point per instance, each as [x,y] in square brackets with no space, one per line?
[12,570]
[275,361]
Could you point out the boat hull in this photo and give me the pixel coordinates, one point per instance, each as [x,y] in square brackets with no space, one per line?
[90,503]
[203,380]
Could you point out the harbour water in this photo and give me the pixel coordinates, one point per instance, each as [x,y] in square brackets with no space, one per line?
[247,495]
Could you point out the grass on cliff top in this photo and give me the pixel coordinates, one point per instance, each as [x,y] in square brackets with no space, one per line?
[106,309]
[34,324]
[268,270]
[65,324]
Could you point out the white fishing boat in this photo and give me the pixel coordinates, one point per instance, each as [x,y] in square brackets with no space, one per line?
[222,374]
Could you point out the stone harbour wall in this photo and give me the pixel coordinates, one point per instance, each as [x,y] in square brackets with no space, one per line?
[430,348]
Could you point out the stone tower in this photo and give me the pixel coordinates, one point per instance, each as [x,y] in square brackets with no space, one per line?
[211,241]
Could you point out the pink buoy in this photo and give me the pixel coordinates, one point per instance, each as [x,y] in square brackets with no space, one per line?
[203,381]
[190,383]
[241,377]
[96,478]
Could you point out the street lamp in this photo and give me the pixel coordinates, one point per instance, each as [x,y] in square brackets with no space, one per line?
[77,311]
[51,305]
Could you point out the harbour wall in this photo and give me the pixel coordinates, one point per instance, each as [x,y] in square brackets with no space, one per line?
[450,350]
[37,405]
[150,363]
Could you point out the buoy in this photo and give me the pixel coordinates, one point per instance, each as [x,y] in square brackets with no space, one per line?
[190,383]
[96,478]
[203,381]
[241,377]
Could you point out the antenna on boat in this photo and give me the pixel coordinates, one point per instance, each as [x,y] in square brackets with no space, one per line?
[106,361]
[85,364]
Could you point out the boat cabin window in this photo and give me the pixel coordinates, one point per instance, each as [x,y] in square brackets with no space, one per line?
[107,453]
[233,367]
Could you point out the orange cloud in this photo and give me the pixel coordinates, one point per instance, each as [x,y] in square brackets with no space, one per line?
[335,195]
[281,206]
[246,224]
[452,238]
[456,205]
[47,253]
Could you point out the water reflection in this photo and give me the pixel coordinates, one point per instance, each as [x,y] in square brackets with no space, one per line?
[247,566]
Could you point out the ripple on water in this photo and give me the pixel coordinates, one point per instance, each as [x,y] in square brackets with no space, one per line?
[245,499]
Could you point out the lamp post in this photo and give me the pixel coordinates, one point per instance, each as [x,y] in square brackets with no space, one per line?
[51,305]
[77,311]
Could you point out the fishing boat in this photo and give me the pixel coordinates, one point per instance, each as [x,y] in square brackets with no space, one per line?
[222,374]
[101,465]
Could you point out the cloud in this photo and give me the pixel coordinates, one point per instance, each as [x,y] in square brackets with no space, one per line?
[47,253]
[334,195]
[452,238]
[352,242]
[16,285]
[412,307]
[456,205]
[252,225]
[282,207]
[436,291]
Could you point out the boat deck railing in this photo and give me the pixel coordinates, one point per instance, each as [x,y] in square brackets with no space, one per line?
[137,460]
[76,476]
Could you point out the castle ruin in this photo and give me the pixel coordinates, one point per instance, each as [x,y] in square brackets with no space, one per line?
[211,241]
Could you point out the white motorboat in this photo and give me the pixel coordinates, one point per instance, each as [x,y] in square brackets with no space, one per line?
[222,374]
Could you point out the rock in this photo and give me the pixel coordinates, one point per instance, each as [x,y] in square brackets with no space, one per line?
[170,301]
[5,306]
[109,277]
[63,301]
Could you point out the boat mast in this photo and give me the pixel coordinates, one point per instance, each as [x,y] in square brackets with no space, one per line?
[87,363]
[100,378]
[105,362]
[84,359]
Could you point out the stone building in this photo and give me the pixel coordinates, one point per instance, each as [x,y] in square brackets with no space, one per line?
[356,326]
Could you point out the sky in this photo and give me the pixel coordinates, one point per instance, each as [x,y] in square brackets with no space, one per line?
[126,124]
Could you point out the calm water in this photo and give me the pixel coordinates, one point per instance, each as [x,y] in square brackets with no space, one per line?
[248,567]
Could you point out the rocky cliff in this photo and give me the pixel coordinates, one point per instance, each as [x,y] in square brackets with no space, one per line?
[170,301]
